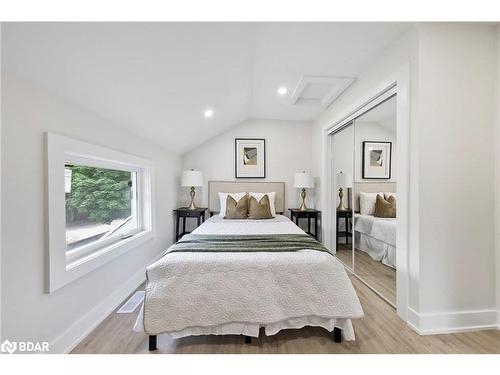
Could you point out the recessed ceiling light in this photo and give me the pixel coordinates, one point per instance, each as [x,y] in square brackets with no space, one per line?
[282,90]
[208,113]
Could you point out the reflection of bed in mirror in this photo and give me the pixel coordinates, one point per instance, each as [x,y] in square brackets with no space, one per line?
[376,236]
[375,239]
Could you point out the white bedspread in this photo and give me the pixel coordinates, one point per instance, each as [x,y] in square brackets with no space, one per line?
[193,293]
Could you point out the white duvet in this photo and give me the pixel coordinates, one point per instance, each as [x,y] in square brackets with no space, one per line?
[193,293]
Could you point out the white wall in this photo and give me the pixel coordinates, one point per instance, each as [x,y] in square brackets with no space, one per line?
[288,150]
[452,153]
[28,313]
[456,124]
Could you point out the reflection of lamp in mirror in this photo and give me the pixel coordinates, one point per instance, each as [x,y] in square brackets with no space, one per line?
[344,180]
[303,180]
[192,179]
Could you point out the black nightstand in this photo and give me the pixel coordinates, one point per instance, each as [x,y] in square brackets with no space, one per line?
[184,212]
[346,215]
[307,214]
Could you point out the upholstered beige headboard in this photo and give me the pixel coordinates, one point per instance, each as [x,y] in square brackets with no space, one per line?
[372,187]
[215,187]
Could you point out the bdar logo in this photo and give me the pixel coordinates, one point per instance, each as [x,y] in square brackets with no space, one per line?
[8,347]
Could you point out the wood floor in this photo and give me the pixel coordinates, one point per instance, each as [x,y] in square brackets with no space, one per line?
[344,253]
[376,274]
[380,331]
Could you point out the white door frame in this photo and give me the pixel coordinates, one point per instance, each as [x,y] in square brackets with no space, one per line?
[398,83]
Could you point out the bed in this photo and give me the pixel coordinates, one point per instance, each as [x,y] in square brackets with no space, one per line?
[243,289]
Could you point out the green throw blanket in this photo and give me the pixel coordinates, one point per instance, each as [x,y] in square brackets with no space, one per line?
[246,243]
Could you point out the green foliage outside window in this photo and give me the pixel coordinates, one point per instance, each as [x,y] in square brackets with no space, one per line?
[98,195]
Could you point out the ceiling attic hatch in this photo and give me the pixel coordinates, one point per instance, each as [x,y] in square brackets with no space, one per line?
[319,91]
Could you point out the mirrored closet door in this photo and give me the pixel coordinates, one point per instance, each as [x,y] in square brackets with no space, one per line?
[364,163]
[374,192]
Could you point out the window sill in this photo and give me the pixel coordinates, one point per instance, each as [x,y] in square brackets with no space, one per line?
[89,263]
[120,246]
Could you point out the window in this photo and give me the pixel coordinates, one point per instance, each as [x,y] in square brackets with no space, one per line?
[100,205]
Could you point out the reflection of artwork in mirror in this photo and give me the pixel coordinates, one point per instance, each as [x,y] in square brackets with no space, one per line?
[377,160]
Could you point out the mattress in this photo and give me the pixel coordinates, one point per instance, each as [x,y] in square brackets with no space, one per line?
[196,293]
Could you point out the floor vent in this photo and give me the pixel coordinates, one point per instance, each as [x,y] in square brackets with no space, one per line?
[132,303]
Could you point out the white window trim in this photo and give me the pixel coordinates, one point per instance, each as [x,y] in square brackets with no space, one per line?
[63,267]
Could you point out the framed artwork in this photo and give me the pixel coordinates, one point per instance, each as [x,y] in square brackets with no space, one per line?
[377,160]
[250,158]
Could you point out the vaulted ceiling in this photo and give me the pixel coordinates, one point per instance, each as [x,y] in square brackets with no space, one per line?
[157,79]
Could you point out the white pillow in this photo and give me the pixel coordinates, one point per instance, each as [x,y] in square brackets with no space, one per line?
[272,197]
[367,203]
[223,201]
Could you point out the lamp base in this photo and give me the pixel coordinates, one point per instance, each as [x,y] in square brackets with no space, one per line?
[341,206]
[303,204]
[192,205]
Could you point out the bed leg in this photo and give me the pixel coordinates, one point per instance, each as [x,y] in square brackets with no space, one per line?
[248,340]
[152,342]
[337,335]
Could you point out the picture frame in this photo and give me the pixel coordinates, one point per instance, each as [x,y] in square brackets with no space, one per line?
[377,159]
[250,158]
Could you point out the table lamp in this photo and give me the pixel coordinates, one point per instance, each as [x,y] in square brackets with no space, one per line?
[192,179]
[344,180]
[303,180]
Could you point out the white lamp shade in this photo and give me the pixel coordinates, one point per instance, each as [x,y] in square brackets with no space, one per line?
[344,180]
[192,178]
[303,180]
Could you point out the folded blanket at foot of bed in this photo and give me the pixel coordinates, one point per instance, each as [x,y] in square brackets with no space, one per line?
[243,243]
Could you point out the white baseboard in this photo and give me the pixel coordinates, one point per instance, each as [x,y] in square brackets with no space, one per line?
[87,323]
[459,321]
[413,320]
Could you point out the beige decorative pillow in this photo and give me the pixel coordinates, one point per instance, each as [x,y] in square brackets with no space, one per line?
[236,210]
[261,209]
[387,195]
[385,207]
[223,200]
[272,200]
